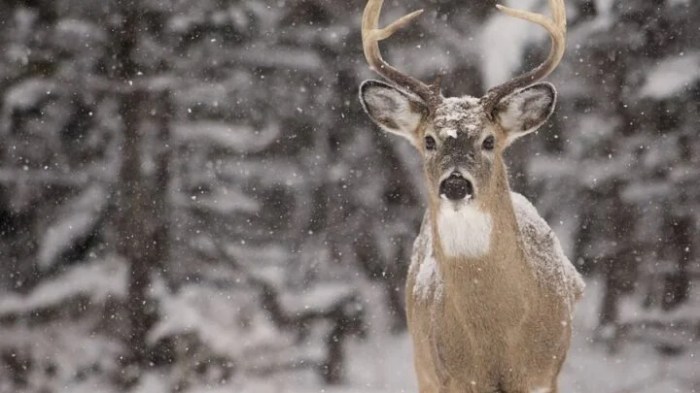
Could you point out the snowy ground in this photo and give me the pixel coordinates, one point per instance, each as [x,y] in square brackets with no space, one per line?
[383,365]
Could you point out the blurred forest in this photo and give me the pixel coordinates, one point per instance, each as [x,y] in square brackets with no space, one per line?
[191,190]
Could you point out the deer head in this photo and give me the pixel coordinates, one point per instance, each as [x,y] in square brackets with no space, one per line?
[461,139]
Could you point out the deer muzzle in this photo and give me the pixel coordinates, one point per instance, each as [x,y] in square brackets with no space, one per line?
[456,187]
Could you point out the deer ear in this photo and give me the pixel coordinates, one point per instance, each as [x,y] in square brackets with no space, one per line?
[526,110]
[392,109]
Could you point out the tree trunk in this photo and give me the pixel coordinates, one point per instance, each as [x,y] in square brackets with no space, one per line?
[133,236]
[142,224]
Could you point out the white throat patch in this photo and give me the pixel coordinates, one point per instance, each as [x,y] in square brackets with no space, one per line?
[465,231]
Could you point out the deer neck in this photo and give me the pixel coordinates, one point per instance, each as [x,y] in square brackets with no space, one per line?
[488,274]
[477,238]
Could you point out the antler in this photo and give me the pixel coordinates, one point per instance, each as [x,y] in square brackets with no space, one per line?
[372,34]
[557,31]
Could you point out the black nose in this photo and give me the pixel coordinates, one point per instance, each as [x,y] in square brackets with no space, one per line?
[456,187]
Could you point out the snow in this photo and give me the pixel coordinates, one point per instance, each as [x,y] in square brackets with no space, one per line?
[66,351]
[224,201]
[97,280]
[428,281]
[61,235]
[151,383]
[671,76]
[273,255]
[78,30]
[383,364]
[239,138]
[320,297]
[636,367]
[81,215]
[631,311]
[503,40]
[213,315]
[605,8]
[428,276]
[544,252]
[28,94]
[182,23]
[272,172]
[287,58]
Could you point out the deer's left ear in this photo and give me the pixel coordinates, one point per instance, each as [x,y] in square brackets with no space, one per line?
[526,110]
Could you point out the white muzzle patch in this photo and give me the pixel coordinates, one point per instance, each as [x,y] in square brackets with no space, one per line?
[464,230]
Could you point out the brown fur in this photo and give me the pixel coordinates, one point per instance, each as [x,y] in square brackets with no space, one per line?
[494,328]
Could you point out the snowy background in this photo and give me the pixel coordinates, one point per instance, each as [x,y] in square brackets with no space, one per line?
[191,199]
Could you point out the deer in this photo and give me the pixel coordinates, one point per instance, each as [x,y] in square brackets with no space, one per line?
[489,293]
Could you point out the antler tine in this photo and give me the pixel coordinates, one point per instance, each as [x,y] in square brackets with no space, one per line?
[557,31]
[372,34]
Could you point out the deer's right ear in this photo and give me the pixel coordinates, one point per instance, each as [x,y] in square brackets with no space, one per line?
[392,109]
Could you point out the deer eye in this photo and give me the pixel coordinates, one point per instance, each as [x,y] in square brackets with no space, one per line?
[489,143]
[430,143]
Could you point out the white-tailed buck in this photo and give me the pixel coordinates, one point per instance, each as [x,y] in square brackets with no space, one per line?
[490,293]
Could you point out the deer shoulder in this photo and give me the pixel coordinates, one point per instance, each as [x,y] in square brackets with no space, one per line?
[544,252]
